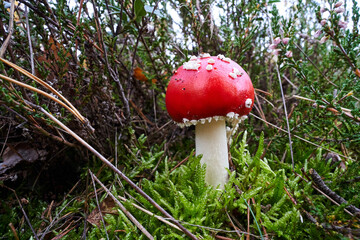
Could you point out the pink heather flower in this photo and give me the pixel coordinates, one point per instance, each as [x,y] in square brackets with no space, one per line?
[338,4]
[340,10]
[277,41]
[342,24]
[285,40]
[323,22]
[322,10]
[289,54]
[317,34]
[323,40]
[276,52]
[272,46]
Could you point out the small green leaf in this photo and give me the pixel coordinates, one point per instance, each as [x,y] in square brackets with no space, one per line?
[279,185]
[139,9]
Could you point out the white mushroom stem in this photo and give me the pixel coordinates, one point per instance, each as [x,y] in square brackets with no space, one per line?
[211,142]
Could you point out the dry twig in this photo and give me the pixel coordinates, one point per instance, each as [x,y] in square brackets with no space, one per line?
[345,111]
[117,171]
[324,188]
[98,204]
[11,29]
[16,236]
[321,192]
[23,211]
[282,96]
[123,209]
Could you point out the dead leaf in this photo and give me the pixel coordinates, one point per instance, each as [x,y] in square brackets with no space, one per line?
[106,206]
[17,153]
[139,75]
[357,72]
[50,63]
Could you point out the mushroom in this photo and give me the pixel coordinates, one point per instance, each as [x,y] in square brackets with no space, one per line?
[205,92]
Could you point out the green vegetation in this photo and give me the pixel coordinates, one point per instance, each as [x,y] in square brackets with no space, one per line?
[113,62]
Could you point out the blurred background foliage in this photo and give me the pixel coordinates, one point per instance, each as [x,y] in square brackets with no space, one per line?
[113,59]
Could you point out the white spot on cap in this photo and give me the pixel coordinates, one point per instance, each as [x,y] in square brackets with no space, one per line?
[204,55]
[192,58]
[193,122]
[185,120]
[209,67]
[226,60]
[248,103]
[233,75]
[220,56]
[191,65]
[237,72]
[211,61]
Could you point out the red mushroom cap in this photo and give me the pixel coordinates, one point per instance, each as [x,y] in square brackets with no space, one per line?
[208,87]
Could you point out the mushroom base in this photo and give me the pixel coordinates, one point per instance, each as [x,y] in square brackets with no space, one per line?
[211,143]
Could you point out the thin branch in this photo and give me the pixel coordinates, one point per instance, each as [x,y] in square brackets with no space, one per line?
[54,137]
[111,71]
[307,57]
[11,29]
[348,59]
[341,229]
[24,85]
[98,204]
[345,111]
[223,238]
[29,39]
[23,211]
[36,10]
[6,139]
[180,163]
[78,22]
[11,225]
[55,219]
[356,179]
[298,137]
[282,96]
[323,187]
[44,84]
[218,230]
[321,192]
[232,224]
[288,80]
[151,214]
[117,171]
[136,45]
[123,209]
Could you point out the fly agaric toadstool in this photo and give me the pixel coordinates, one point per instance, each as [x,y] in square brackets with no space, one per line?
[205,92]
